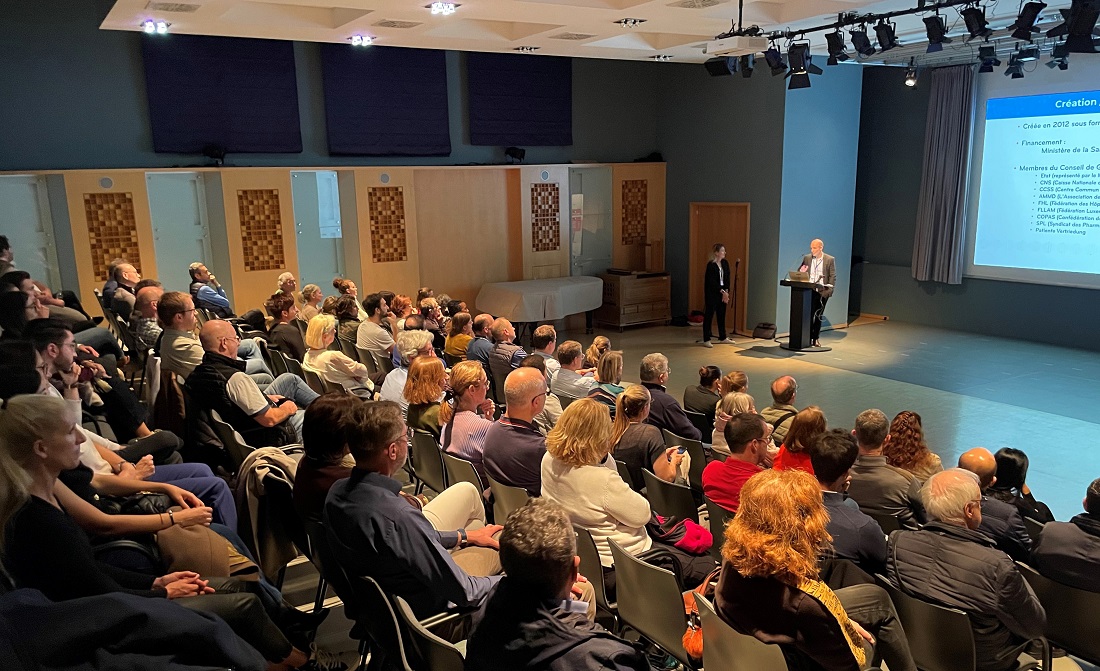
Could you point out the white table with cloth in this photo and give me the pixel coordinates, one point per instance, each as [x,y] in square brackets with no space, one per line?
[532,301]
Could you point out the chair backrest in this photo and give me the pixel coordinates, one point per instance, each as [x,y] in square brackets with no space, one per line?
[382,361]
[650,602]
[565,400]
[669,499]
[365,358]
[1069,614]
[1034,528]
[695,450]
[724,648]
[234,443]
[376,614]
[592,569]
[701,422]
[280,496]
[274,358]
[451,359]
[719,518]
[151,387]
[293,365]
[460,470]
[506,499]
[302,325]
[348,348]
[327,566]
[431,653]
[428,461]
[624,471]
[940,639]
[889,523]
[313,379]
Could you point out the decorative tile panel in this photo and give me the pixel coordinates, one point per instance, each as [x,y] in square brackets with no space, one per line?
[112,230]
[261,229]
[635,211]
[545,218]
[388,241]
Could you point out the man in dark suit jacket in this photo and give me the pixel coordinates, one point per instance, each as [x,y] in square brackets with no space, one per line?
[716,294]
[1069,552]
[822,270]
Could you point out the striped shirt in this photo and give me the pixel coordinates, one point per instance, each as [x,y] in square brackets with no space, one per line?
[465,437]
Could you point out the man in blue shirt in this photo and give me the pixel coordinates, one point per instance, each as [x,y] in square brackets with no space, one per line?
[377,530]
[206,291]
[479,348]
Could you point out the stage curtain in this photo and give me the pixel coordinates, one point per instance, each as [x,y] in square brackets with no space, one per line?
[385,101]
[522,101]
[938,246]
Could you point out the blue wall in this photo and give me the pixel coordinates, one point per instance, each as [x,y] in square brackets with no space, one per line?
[819,182]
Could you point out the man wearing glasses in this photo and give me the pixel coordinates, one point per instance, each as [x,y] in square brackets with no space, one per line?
[179,349]
[746,435]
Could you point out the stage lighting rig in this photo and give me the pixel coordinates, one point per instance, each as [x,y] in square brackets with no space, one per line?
[936,28]
[976,25]
[837,51]
[798,54]
[1024,28]
[988,55]
[886,34]
[1079,26]
[861,43]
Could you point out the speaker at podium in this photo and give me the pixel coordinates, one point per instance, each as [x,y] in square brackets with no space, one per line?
[802,290]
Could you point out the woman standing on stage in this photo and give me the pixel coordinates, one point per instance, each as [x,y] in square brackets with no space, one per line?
[716,294]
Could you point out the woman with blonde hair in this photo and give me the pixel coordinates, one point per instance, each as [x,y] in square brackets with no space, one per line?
[735,380]
[424,389]
[459,334]
[600,345]
[466,414]
[333,365]
[732,404]
[794,453]
[311,300]
[771,589]
[906,448]
[640,445]
[609,372]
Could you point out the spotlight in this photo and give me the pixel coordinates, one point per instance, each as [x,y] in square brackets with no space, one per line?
[162,28]
[1028,53]
[748,62]
[936,27]
[988,54]
[775,61]
[911,74]
[976,25]
[836,47]
[801,65]
[721,66]
[1078,26]
[150,27]
[1059,57]
[361,40]
[1014,69]
[887,39]
[861,43]
[1025,22]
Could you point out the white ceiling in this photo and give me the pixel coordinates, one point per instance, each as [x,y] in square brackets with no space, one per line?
[579,28]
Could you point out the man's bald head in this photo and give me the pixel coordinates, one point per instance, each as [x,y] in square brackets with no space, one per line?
[214,332]
[953,496]
[146,301]
[522,385]
[982,463]
[783,390]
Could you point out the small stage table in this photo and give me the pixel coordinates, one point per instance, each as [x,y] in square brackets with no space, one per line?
[532,301]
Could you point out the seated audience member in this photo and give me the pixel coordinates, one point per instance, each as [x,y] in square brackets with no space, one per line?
[664,411]
[600,345]
[122,303]
[877,486]
[781,412]
[856,536]
[7,255]
[703,397]
[609,374]
[735,403]
[434,321]
[460,332]
[371,335]
[531,620]
[44,549]
[420,553]
[505,355]
[579,474]
[347,310]
[207,293]
[54,307]
[907,449]
[347,288]
[180,351]
[401,308]
[288,285]
[328,306]
[514,447]
[466,414]
[794,453]
[107,293]
[1011,487]
[571,381]
[747,435]
[639,445]
[424,390]
[325,443]
[143,321]
[771,588]
[1000,521]
[19,307]
[1069,552]
[551,407]
[951,563]
[733,381]
[422,293]
[478,349]
[333,365]
[284,335]
[409,346]
[544,341]
[311,302]
[264,418]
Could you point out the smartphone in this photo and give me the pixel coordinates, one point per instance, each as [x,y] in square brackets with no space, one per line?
[681,450]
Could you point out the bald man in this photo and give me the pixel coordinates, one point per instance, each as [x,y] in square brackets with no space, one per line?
[1000,521]
[951,563]
[265,418]
[143,321]
[781,412]
[822,270]
[513,445]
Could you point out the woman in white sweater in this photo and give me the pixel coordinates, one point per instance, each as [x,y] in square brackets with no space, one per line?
[333,365]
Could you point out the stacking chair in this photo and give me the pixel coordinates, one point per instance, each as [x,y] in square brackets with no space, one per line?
[695,450]
[724,648]
[719,518]
[506,499]
[348,349]
[364,357]
[651,602]
[451,360]
[302,325]
[624,472]
[1070,613]
[1034,528]
[234,443]
[669,499]
[427,462]
[375,615]
[700,421]
[293,365]
[313,379]
[280,496]
[889,523]
[565,400]
[427,651]
[460,470]
[592,569]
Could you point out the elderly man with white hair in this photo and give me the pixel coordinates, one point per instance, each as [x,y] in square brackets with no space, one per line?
[410,345]
[951,563]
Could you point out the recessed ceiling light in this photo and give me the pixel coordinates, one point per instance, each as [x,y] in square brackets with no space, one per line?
[361,40]
[661,58]
[442,8]
[629,22]
[526,49]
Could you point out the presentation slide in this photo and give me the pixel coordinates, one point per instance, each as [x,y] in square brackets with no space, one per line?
[1039,204]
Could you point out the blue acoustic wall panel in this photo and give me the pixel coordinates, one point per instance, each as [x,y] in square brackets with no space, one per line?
[241,94]
[519,100]
[385,101]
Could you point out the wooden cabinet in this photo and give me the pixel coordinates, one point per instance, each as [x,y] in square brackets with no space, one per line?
[636,297]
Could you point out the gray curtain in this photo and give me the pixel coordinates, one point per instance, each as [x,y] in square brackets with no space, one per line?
[938,246]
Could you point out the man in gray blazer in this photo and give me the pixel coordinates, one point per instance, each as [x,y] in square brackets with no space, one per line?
[822,270]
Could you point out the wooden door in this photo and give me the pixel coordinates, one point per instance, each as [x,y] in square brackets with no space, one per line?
[727,223]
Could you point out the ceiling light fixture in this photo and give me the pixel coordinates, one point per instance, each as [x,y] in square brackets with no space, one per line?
[988,56]
[1027,53]
[936,28]
[774,60]
[1014,69]
[1059,57]
[721,66]
[443,8]
[151,27]
[748,62]
[798,54]
[911,74]
[1024,27]
[526,49]
[661,58]
[1078,26]
[630,23]
[861,43]
[976,25]
[361,40]
[837,52]
[887,37]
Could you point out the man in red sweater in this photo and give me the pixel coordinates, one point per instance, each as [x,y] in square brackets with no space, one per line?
[747,436]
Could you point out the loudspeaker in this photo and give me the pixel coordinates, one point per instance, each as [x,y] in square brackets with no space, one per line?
[718,67]
[764,331]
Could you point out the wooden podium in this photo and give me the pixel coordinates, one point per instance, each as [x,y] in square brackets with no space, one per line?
[801,318]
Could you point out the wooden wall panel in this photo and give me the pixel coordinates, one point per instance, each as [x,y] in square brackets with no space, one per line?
[393,217]
[118,195]
[259,223]
[628,181]
[544,200]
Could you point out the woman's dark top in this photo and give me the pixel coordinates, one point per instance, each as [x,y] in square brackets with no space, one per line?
[44,549]
[1025,503]
[79,480]
[699,399]
[639,447]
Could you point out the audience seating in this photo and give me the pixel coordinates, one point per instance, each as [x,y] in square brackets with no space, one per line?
[624,472]
[565,400]
[719,518]
[451,360]
[506,499]
[669,499]
[313,379]
[302,326]
[592,569]
[427,461]
[650,601]
[724,648]
[700,421]
[348,349]
[280,495]
[1069,614]
[376,616]
[1034,528]
[428,651]
[695,451]
[233,442]
[889,523]
[460,470]
[364,357]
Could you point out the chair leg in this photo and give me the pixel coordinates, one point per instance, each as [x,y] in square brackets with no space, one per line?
[279,579]
[319,600]
[364,655]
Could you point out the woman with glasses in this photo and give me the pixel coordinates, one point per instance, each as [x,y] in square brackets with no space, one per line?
[466,414]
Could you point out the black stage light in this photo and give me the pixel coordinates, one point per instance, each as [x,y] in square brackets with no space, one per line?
[798,54]
[720,67]
[1079,22]
[775,61]
[936,27]
[1028,53]
[1059,57]
[836,47]
[748,62]
[976,25]
[1014,69]
[887,39]
[911,74]
[861,43]
[988,54]
[1024,27]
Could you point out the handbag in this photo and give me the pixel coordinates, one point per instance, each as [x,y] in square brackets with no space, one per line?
[145,503]
[684,534]
[693,636]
